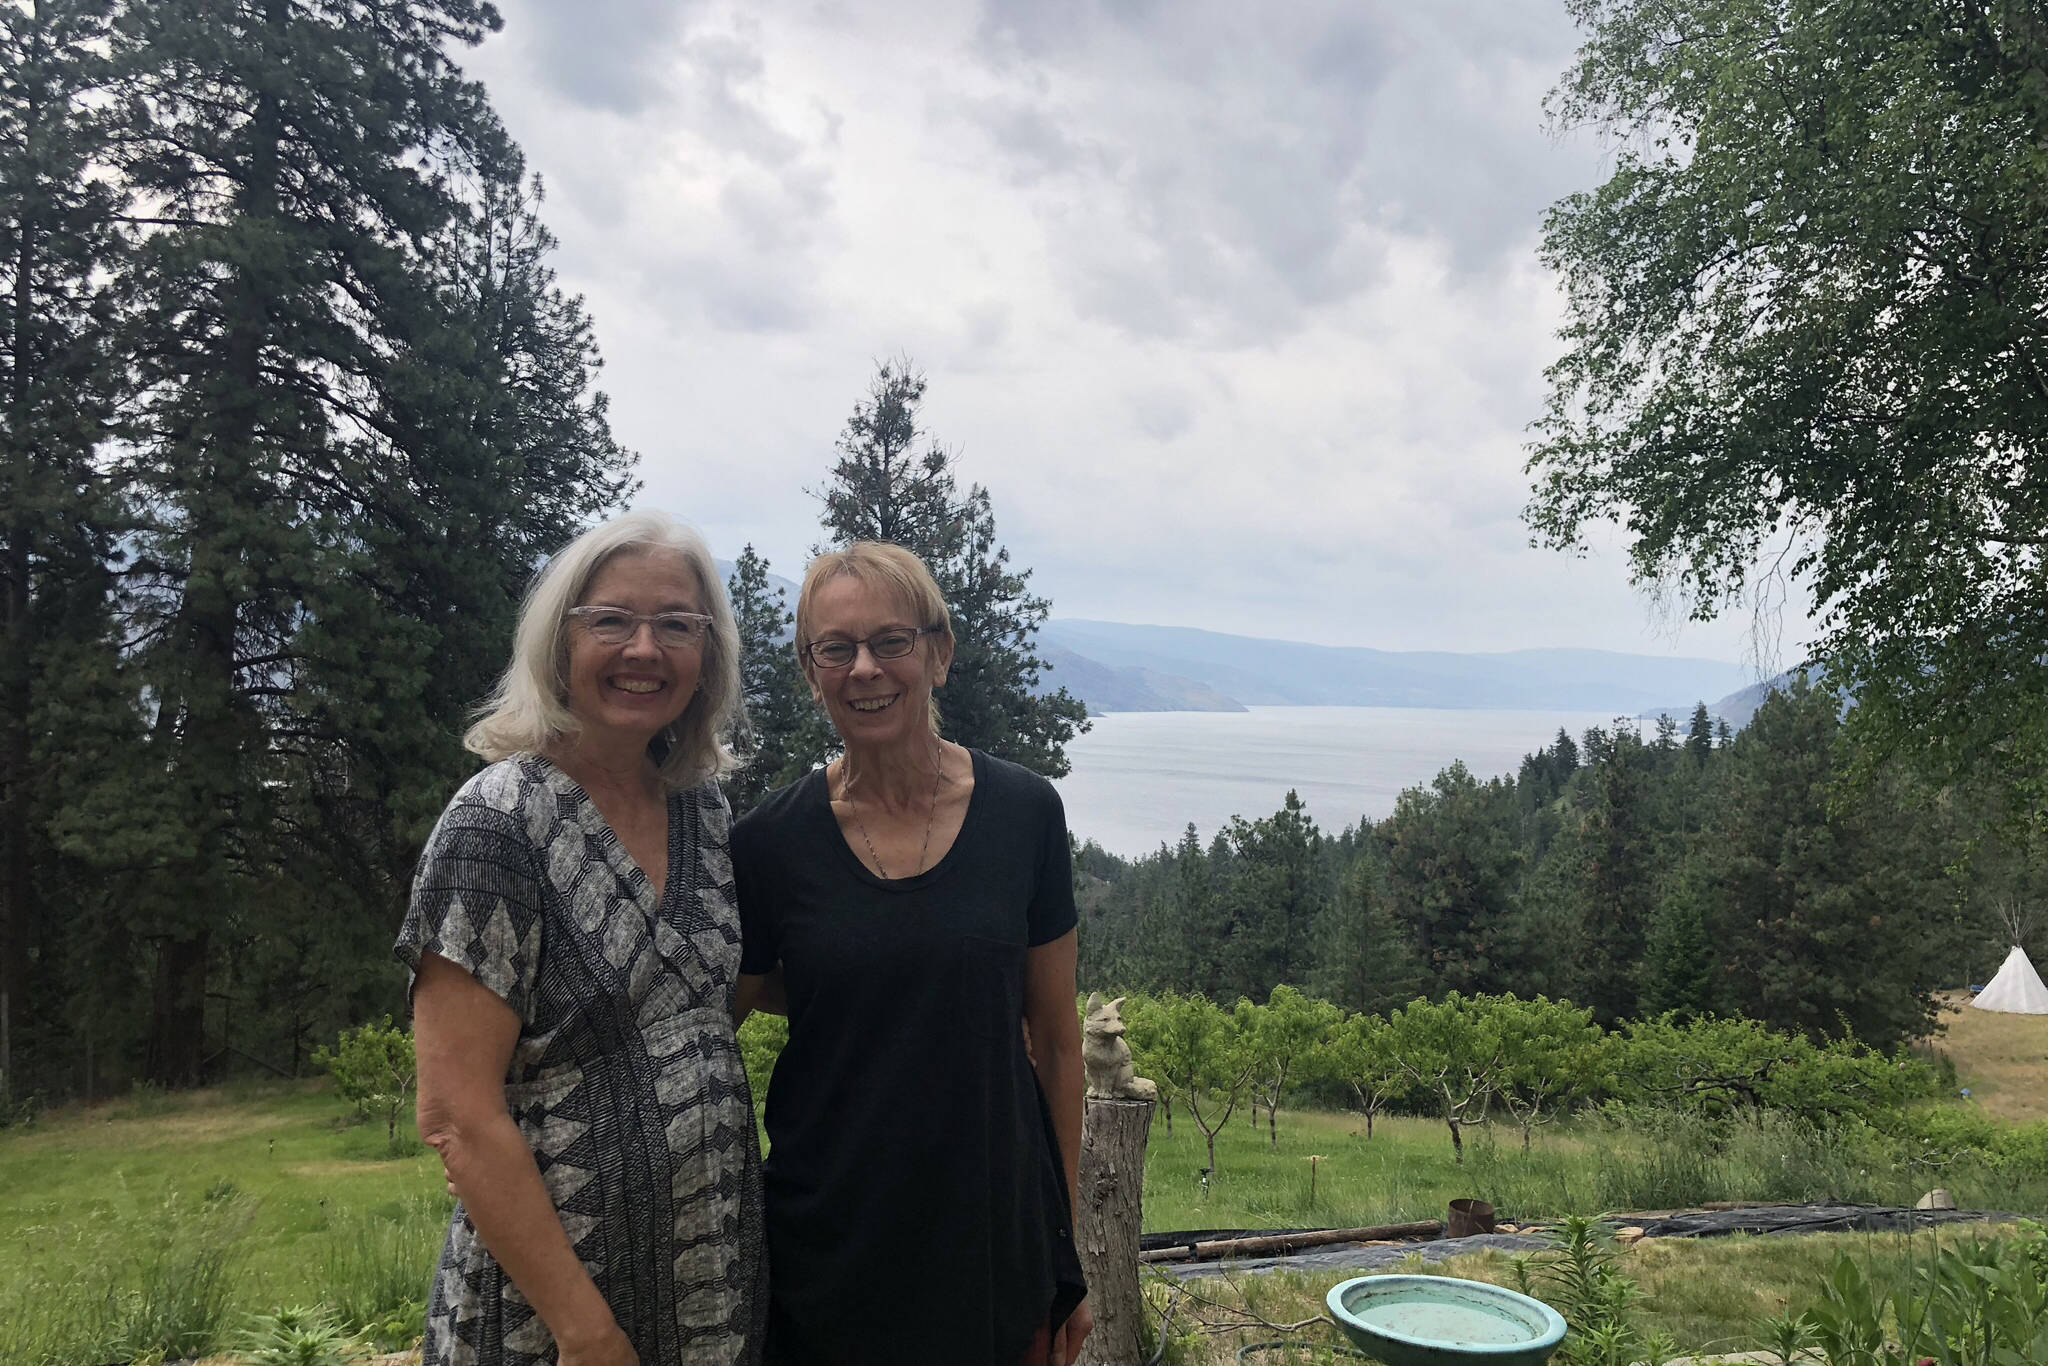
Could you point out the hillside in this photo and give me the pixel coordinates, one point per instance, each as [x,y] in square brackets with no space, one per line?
[2002,1060]
[1178,662]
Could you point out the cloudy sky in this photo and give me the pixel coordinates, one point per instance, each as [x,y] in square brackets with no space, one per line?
[1234,309]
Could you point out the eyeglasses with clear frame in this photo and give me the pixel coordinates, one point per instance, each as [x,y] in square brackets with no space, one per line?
[835,652]
[616,626]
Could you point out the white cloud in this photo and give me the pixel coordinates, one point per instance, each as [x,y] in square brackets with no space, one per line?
[1234,309]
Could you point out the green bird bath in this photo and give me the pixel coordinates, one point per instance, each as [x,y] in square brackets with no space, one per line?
[1442,1321]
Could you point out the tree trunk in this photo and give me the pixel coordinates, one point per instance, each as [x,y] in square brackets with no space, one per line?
[1273,1126]
[1107,1227]
[178,1012]
[1457,1138]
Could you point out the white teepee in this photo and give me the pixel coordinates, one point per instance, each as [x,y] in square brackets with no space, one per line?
[2017,987]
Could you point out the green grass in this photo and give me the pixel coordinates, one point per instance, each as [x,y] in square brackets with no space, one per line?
[163,1223]
[1709,1294]
[160,1224]
[1406,1171]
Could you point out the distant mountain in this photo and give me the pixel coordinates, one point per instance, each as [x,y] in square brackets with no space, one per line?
[1107,689]
[1172,660]
[1739,706]
[775,581]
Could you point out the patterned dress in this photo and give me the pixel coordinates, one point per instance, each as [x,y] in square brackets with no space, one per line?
[626,1078]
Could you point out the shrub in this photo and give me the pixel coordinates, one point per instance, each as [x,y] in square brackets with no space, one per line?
[374,1067]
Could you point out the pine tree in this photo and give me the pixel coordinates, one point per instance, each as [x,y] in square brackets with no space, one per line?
[885,488]
[1272,897]
[1363,959]
[60,386]
[1699,736]
[364,417]
[1820,901]
[780,736]
[1454,872]
[1678,969]
[1617,876]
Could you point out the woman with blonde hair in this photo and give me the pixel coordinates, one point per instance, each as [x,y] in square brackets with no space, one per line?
[575,949]
[918,900]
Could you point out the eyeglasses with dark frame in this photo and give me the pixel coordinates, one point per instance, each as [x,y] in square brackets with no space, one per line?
[836,652]
[616,626]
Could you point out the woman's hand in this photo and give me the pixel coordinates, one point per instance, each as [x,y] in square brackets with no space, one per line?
[1066,1343]
[607,1349]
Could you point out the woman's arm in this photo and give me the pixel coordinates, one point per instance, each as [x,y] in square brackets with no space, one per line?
[1056,1045]
[1056,1048]
[464,1034]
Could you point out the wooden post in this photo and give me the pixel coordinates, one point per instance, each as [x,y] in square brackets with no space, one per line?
[1110,1218]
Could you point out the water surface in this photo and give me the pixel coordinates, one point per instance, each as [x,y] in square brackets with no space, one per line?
[1140,777]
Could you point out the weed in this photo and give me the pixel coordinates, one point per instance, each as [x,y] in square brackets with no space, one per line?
[1581,1279]
[298,1337]
[376,1267]
[1974,1304]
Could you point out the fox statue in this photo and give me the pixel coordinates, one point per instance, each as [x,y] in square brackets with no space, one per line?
[1106,1058]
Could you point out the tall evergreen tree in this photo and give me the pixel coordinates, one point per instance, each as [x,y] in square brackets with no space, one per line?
[1699,736]
[1617,875]
[779,738]
[1819,901]
[60,385]
[1363,959]
[364,416]
[891,484]
[1273,898]
[1453,874]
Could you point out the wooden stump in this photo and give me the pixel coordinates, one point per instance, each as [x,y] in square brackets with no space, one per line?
[1110,1218]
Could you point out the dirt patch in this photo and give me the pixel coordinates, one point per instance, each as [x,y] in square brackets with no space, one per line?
[326,1171]
[154,1131]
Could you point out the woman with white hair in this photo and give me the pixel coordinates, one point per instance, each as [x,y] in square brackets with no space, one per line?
[575,949]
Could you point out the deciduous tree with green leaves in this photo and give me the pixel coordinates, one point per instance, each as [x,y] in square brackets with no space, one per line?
[1453,1052]
[374,1069]
[1283,1035]
[1197,1051]
[1807,335]
[1552,1053]
[1361,1057]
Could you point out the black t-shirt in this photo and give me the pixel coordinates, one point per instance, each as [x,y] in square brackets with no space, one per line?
[917,1209]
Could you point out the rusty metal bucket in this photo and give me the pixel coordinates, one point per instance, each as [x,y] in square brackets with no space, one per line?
[1468,1217]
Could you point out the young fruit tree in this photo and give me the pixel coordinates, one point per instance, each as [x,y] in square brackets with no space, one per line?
[1195,1049]
[1452,1051]
[1552,1054]
[1360,1056]
[373,1066]
[1283,1035]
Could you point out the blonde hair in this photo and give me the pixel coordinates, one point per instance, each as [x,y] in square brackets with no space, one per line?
[528,710]
[881,565]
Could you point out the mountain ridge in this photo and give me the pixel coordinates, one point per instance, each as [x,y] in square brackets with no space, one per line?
[1138,667]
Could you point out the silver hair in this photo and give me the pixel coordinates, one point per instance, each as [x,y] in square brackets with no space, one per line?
[528,710]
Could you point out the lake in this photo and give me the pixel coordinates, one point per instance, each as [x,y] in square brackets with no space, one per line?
[1140,777]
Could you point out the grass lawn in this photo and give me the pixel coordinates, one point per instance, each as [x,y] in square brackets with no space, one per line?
[1406,1171]
[177,1217]
[169,1220]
